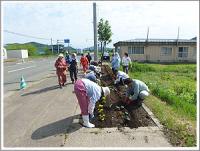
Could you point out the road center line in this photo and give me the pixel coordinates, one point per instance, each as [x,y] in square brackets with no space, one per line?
[21,69]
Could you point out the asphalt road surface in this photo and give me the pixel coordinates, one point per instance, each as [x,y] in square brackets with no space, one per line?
[32,71]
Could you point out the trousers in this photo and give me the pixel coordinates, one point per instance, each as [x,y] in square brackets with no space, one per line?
[61,78]
[83,100]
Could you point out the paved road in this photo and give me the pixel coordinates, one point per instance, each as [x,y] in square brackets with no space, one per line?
[32,71]
[46,116]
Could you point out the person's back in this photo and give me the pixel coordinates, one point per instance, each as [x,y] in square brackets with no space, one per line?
[89,57]
[140,84]
[93,89]
[122,75]
[116,62]
[91,76]
[84,61]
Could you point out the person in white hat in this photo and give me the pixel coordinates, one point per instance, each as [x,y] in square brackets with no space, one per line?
[88,93]
[61,67]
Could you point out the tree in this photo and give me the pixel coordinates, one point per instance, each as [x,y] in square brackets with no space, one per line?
[104,33]
[31,48]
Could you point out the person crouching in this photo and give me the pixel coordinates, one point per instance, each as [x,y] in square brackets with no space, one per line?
[137,91]
[88,93]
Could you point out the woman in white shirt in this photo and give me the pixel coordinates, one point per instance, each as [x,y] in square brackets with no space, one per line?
[125,62]
[88,93]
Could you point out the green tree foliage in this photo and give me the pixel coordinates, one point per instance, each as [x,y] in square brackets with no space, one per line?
[31,49]
[47,51]
[104,33]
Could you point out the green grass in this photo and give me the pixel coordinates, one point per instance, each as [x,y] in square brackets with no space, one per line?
[180,130]
[175,86]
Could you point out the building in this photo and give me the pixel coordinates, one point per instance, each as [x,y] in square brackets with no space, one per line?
[159,50]
[19,54]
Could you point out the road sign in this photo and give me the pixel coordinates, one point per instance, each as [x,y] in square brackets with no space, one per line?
[66,40]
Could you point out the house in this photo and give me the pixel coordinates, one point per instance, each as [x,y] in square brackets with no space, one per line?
[159,50]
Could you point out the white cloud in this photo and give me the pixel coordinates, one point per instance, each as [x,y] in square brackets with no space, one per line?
[74,19]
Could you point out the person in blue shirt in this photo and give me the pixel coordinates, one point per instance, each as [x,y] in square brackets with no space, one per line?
[91,76]
[88,93]
[137,91]
[73,67]
[67,58]
[116,61]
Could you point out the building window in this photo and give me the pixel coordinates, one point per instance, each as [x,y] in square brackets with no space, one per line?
[137,50]
[129,50]
[166,51]
[183,52]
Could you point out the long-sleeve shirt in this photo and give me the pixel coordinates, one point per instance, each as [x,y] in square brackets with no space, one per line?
[91,76]
[126,61]
[120,75]
[116,62]
[93,91]
[136,88]
[60,65]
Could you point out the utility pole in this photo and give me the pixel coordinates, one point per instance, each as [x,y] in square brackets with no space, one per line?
[177,37]
[51,46]
[147,34]
[58,46]
[95,32]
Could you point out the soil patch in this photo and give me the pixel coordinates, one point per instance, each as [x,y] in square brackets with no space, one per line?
[112,112]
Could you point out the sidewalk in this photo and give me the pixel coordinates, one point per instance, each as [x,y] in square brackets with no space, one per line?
[46,116]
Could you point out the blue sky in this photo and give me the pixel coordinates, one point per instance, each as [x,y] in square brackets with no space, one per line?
[73,20]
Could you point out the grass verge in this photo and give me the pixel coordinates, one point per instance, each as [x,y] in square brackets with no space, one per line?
[180,130]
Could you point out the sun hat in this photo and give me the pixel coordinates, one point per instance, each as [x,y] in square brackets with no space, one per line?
[106,91]
[60,55]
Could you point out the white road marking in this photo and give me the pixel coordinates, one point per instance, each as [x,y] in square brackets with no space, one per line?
[21,69]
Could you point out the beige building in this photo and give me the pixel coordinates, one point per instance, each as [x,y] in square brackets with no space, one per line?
[159,50]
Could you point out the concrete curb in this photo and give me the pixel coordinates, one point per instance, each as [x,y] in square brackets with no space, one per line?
[155,120]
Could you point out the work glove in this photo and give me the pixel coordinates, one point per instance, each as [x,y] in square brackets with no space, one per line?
[127,100]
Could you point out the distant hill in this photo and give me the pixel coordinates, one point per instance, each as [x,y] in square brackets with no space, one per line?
[33,47]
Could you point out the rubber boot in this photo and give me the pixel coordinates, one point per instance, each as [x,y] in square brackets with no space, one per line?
[86,121]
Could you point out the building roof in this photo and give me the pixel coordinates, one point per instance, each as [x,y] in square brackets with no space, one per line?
[157,41]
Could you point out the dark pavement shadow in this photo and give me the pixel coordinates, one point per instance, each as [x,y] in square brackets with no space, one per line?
[7,83]
[42,90]
[59,127]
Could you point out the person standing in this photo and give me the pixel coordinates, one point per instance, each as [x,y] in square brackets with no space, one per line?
[67,58]
[116,62]
[84,62]
[61,68]
[88,93]
[89,57]
[73,68]
[126,60]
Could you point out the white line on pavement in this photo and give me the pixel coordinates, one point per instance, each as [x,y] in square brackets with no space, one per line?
[21,69]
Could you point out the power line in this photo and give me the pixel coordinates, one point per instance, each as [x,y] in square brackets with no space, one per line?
[24,35]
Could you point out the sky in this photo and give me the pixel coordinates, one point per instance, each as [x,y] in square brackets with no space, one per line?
[74,20]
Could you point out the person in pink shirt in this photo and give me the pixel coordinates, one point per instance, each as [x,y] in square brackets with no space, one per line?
[61,68]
